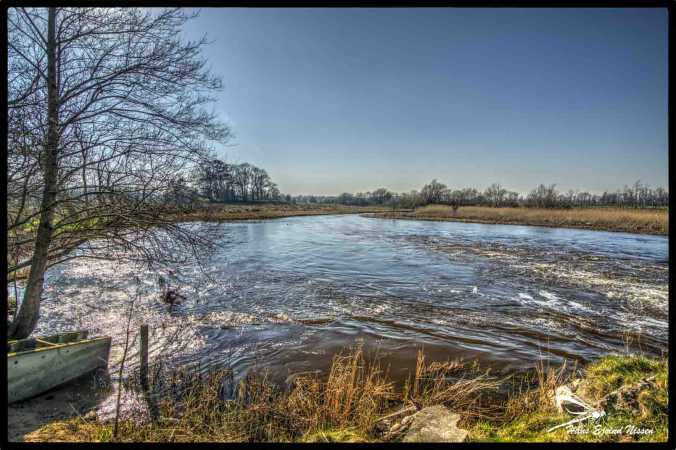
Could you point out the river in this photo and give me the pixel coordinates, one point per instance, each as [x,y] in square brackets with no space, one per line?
[286,294]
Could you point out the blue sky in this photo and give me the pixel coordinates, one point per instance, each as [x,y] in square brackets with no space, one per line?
[335,100]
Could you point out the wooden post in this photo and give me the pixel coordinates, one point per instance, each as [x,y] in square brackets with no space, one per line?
[144,357]
[145,385]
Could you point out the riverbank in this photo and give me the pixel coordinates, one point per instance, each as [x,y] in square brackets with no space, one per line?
[357,402]
[78,398]
[217,212]
[643,221]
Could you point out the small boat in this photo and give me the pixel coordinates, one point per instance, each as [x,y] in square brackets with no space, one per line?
[36,365]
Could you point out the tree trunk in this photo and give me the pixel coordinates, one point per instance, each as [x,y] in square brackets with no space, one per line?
[27,317]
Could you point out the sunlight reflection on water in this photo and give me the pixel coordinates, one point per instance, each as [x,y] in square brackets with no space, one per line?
[285,294]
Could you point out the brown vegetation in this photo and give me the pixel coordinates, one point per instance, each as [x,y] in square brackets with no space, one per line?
[357,397]
[352,399]
[217,212]
[647,221]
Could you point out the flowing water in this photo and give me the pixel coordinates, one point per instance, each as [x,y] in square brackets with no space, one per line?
[286,294]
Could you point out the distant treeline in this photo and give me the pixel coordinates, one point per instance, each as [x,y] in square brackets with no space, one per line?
[637,195]
[218,181]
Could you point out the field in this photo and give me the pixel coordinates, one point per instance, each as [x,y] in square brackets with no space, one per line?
[250,211]
[647,221]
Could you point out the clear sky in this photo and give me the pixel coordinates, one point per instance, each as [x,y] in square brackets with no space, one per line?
[348,100]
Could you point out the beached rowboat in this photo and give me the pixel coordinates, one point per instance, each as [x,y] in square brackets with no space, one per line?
[35,365]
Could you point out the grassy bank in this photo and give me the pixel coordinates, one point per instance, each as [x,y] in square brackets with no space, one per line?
[633,392]
[251,211]
[356,401]
[647,221]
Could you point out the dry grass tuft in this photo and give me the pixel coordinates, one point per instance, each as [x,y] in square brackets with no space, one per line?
[539,392]
[452,384]
[355,393]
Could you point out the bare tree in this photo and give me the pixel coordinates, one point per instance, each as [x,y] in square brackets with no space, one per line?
[433,192]
[222,182]
[495,194]
[543,196]
[106,109]
[259,178]
[241,178]
[214,179]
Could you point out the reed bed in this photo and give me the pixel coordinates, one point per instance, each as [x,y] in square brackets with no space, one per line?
[647,221]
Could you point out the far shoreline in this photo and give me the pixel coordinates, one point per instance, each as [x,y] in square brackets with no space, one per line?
[522,224]
[657,226]
[652,222]
[227,212]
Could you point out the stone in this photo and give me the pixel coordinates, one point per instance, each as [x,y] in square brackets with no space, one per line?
[626,397]
[434,424]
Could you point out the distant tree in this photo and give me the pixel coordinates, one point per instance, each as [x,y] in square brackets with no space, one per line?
[470,196]
[381,196]
[214,179]
[511,199]
[272,192]
[345,198]
[433,192]
[543,196]
[495,194]
[259,180]
[241,179]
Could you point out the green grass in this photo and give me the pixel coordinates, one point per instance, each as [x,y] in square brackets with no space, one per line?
[530,427]
[614,371]
[605,376]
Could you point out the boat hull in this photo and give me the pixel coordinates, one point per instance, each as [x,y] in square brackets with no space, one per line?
[32,372]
